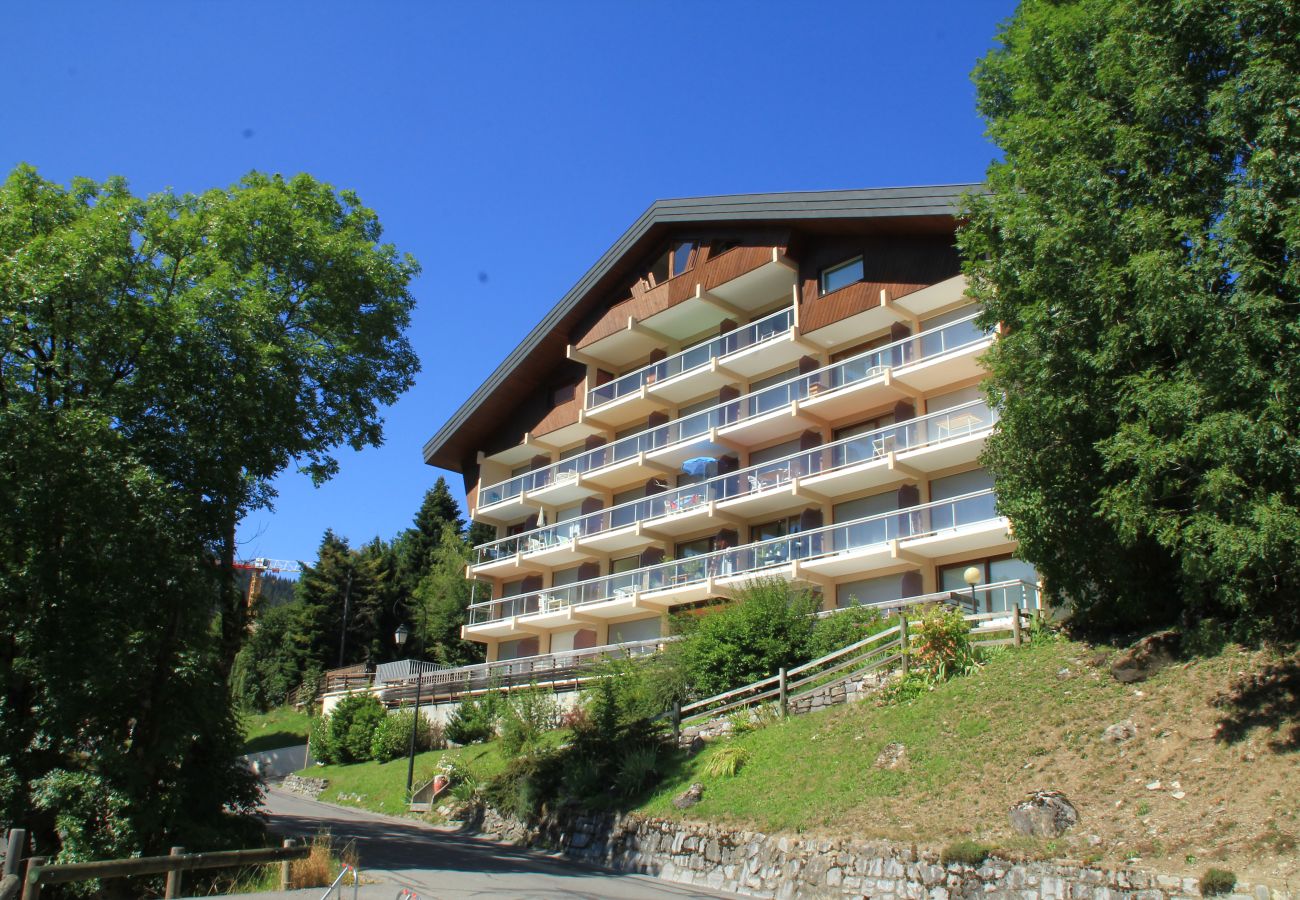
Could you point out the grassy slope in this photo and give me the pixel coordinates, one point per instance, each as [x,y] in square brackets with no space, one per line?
[283,727]
[1031,719]
[382,786]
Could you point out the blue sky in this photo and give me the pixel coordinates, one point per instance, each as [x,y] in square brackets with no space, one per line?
[505,145]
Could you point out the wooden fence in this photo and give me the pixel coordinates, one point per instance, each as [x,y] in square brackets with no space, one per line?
[879,652]
[40,872]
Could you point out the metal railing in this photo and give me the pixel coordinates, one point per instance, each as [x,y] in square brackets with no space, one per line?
[863,367]
[543,669]
[913,434]
[751,559]
[337,885]
[692,358]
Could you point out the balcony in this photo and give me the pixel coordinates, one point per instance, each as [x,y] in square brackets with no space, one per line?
[763,345]
[733,285]
[876,544]
[932,358]
[873,459]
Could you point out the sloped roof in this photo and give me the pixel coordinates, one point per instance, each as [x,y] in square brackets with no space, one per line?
[461,434]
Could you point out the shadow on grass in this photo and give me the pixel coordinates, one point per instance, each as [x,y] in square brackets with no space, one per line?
[276,740]
[1269,698]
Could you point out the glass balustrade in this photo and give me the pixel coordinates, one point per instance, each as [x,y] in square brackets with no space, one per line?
[863,367]
[693,358]
[959,421]
[752,559]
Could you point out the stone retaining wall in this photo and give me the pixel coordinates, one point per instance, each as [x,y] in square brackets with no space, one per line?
[763,865]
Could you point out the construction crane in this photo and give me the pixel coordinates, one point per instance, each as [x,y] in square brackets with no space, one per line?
[259,567]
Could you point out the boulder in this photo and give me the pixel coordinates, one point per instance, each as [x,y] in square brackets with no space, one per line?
[892,756]
[1120,732]
[1044,814]
[689,797]
[1147,657]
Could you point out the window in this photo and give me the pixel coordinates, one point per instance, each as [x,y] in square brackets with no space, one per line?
[674,261]
[843,274]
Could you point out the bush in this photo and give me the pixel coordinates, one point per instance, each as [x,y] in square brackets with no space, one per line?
[392,739]
[842,628]
[352,727]
[966,852]
[726,761]
[1217,881]
[475,720]
[321,742]
[525,717]
[636,770]
[765,627]
[629,690]
[940,643]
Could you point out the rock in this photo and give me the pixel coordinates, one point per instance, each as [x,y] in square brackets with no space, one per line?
[892,756]
[697,744]
[1154,785]
[1120,732]
[689,797]
[312,787]
[1146,657]
[1044,814]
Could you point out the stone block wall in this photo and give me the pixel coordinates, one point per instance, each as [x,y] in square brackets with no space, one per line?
[782,866]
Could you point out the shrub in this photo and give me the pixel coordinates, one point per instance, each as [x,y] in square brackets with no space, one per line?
[726,761]
[909,687]
[525,716]
[627,690]
[392,738]
[940,643]
[475,720]
[352,726]
[842,628]
[767,626]
[966,852]
[1217,881]
[636,770]
[321,742]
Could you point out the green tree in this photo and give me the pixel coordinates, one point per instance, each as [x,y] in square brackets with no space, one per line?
[440,601]
[1140,246]
[342,604]
[418,544]
[162,359]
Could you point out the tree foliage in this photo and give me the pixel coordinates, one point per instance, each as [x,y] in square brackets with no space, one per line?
[1139,244]
[162,359]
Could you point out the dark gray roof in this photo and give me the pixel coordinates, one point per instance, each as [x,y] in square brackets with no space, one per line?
[929,200]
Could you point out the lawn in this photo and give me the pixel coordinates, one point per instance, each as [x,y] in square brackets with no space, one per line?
[282,727]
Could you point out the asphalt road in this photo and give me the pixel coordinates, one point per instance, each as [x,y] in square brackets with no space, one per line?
[437,863]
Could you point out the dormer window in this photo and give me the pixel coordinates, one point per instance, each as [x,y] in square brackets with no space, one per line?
[674,261]
[841,275]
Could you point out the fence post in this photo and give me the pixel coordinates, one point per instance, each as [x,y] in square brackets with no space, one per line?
[1015,625]
[677,723]
[902,642]
[14,850]
[32,889]
[174,877]
[784,694]
[284,867]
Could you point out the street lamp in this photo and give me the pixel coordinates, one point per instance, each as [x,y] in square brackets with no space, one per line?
[972,576]
[400,636]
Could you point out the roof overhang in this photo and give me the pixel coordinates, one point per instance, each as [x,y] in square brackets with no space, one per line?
[934,206]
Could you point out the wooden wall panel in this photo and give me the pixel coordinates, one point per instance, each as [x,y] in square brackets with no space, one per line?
[565,413]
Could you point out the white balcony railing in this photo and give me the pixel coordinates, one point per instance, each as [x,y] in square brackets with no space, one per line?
[949,424]
[692,358]
[855,370]
[751,559]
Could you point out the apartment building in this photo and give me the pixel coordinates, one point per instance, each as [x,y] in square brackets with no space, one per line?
[768,385]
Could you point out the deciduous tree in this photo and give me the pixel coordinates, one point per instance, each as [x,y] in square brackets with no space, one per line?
[1140,246]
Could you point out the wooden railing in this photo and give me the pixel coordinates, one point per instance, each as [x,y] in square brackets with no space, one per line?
[40,873]
[881,651]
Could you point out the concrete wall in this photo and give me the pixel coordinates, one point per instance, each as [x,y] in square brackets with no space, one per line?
[277,763]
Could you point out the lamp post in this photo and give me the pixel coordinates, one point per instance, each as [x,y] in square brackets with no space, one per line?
[399,637]
[972,576]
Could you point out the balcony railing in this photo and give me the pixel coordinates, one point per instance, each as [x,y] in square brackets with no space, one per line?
[959,421]
[863,367]
[693,358]
[751,559]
